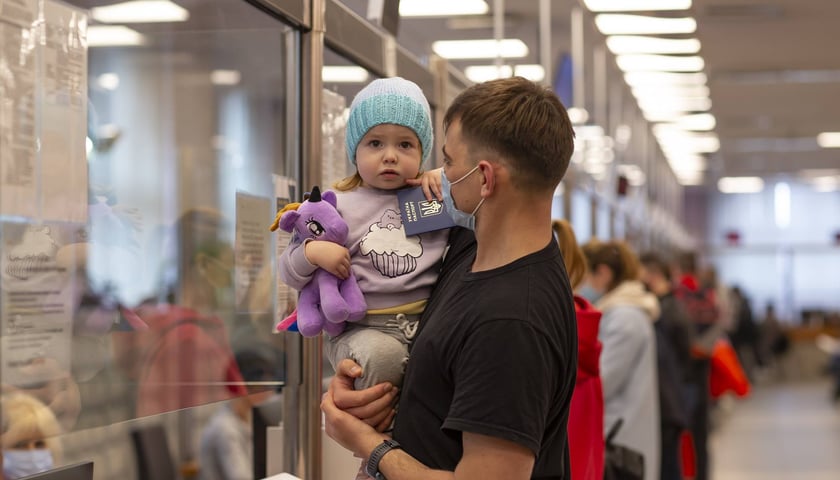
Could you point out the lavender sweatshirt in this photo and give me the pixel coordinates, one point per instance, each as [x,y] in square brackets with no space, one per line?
[391,269]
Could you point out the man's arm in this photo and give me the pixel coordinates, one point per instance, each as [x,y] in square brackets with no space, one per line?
[484,458]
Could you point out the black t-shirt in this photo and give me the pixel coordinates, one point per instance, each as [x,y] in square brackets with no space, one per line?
[496,355]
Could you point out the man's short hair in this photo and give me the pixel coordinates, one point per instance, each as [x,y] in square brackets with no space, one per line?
[654,262]
[524,123]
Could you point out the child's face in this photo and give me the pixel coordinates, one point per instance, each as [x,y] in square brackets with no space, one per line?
[388,155]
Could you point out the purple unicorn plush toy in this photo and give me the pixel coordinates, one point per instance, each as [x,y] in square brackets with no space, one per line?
[326,302]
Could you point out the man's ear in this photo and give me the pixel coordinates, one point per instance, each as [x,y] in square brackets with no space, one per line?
[488,172]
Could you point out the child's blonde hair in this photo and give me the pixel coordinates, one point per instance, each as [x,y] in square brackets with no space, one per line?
[27,419]
[573,256]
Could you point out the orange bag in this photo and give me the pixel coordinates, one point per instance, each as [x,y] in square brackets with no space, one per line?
[726,373]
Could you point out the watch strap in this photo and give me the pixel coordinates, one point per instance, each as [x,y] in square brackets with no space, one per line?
[372,466]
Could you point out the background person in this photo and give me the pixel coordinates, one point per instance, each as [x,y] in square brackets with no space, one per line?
[29,440]
[628,359]
[586,416]
[674,334]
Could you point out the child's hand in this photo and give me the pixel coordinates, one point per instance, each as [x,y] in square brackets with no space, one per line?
[430,181]
[330,256]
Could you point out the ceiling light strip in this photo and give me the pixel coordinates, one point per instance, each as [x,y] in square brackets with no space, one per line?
[442,8]
[620,24]
[635,5]
[630,44]
[463,49]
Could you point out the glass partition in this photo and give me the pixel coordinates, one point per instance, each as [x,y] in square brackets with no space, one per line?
[163,297]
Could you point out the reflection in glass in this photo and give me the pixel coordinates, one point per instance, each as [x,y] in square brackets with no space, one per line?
[28,440]
[156,295]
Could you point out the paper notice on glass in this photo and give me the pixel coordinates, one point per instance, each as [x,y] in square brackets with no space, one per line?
[18,140]
[35,303]
[333,124]
[64,175]
[285,192]
[19,12]
[253,216]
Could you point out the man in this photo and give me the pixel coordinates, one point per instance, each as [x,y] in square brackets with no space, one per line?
[488,387]
[703,313]
[674,333]
[676,325]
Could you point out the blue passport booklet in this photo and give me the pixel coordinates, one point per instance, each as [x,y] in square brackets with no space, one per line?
[420,215]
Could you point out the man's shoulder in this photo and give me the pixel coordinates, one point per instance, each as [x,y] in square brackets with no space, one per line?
[461,244]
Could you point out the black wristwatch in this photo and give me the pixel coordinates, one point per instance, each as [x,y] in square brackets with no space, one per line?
[372,467]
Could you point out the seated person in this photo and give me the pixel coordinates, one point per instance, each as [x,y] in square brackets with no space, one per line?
[226,450]
[29,436]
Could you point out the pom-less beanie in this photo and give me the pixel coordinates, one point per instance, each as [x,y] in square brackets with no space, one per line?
[389,100]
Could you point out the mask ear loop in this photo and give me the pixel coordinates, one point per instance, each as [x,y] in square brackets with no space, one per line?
[464,176]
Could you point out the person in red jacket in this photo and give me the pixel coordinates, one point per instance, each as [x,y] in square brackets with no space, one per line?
[184,358]
[586,416]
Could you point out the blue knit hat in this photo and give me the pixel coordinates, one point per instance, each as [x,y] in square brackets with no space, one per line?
[389,100]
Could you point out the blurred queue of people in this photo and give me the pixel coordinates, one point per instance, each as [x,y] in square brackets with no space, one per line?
[192,343]
[648,330]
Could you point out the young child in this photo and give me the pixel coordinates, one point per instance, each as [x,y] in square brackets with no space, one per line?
[389,137]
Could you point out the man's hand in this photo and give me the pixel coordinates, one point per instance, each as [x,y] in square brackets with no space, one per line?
[350,432]
[330,256]
[374,406]
[430,181]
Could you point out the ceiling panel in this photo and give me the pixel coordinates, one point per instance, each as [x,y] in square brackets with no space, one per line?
[774,76]
[773,69]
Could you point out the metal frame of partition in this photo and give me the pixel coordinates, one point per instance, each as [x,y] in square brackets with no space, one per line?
[296,12]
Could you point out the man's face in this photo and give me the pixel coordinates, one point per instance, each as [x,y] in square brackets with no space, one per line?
[457,166]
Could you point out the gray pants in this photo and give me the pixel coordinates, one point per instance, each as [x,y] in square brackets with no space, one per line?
[379,344]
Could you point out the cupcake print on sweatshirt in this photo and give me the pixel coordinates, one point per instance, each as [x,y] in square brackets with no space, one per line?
[391,252]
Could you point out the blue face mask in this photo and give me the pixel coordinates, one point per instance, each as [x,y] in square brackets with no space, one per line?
[462,219]
[20,463]
[589,293]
